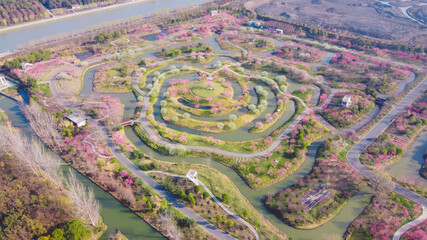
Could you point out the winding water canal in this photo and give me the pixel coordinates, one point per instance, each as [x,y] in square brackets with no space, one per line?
[336,226]
[114,214]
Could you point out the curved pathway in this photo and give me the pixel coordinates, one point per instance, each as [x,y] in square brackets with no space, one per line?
[160,141]
[210,228]
[355,152]
[245,52]
[215,200]
[398,234]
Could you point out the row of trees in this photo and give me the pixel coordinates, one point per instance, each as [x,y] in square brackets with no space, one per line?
[32,57]
[51,4]
[355,42]
[19,11]
[31,165]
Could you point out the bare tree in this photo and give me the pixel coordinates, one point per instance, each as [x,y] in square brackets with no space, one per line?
[169,226]
[97,133]
[18,145]
[47,161]
[44,125]
[31,153]
[83,199]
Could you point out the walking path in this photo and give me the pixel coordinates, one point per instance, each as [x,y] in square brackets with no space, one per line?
[355,152]
[352,156]
[160,141]
[245,52]
[398,234]
[215,200]
[216,232]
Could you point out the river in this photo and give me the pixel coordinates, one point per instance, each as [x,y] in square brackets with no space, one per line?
[11,40]
[116,215]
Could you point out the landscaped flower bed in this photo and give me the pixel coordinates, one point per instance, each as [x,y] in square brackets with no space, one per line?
[390,146]
[377,75]
[343,116]
[343,182]
[113,77]
[298,51]
[385,214]
[285,159]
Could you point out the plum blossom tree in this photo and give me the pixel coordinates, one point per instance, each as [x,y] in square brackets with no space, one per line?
[259,125]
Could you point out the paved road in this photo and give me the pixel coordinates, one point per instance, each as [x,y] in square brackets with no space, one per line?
[160,141]
[215,200]
[398,234]
[216,232]
[354,153]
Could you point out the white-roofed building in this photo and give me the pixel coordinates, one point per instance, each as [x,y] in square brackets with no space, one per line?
[192,176]
[77,120]
[346,101]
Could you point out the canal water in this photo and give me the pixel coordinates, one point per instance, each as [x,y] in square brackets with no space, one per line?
[114,214]
[337,225]
[410,164]
[117,216]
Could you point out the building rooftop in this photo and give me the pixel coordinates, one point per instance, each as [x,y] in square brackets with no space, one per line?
[346,98]
[78,120]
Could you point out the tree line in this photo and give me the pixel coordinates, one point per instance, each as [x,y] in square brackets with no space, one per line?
[355,42]
[19,11]
[51,4]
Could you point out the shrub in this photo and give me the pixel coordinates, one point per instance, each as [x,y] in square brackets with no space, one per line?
[226,198]
[206,195]
[245,213]
[230,223]
[186,222]
[191,199]
[182,194]
[75,230]
[186,115]
[198,188]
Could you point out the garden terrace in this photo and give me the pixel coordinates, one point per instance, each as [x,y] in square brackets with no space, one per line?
[198,200]
[390,146]
[113,77]
[386,213]
[341,116]
[343,183]
[348,68]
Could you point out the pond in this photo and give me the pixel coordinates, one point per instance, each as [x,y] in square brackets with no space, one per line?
[411,162]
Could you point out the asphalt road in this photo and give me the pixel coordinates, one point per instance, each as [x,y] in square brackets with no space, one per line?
[354,154]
